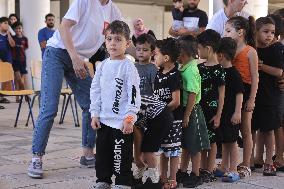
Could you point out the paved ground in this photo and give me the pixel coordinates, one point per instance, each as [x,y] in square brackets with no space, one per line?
[61,166]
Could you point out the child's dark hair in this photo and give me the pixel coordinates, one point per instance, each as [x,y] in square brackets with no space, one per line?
[189,45]
[49,15]
[209,38]
[263,21]
[14,15]
[169,47]
[119,27]
[147,38]
[248,25]
[4,19]
[228,48]
[17,24]
[174,1]
[278,24]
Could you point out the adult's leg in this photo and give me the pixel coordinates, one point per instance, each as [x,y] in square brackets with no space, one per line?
[81,90]
[51,81]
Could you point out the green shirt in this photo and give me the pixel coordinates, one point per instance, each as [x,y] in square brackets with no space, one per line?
[191,81]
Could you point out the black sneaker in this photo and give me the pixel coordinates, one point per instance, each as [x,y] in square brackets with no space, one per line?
[87,163]
[205,175]
[193,181]
[181,176]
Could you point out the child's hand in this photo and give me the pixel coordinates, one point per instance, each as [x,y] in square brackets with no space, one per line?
[185,121]
[236,118]
[96,123]
[127,127]
[249,107]
[216,121]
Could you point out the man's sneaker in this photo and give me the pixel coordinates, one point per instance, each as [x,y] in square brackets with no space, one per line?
[120,187]
[102,185]
[87,163]
[193,181]
[35,169]
[181,177]
[138,172]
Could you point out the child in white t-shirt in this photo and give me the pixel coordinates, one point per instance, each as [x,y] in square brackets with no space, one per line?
[115,101]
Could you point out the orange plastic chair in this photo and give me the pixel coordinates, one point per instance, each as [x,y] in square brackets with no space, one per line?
[7,74]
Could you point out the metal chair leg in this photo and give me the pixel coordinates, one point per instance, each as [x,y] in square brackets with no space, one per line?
[32,105]
[73,111]
[19,109]
[31,112]
[62,110]
[76,111]
[65,108]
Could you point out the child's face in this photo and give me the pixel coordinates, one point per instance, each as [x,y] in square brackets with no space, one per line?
[265,34]
[4,26]
[178,4]
[13,19]
[159,58]
[139,25]
[143,52]
[19,30]
[203,51]
[116,45]
[231,32]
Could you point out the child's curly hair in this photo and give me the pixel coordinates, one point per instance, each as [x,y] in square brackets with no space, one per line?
[169,47]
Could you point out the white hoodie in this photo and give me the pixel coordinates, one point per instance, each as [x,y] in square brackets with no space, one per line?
[115,92]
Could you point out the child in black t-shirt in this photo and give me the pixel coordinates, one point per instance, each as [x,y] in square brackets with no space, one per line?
[231,116]
[212,95]
[167,88]
[266,117]
[177,13]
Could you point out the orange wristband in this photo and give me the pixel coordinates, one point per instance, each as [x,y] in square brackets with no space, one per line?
[129,119]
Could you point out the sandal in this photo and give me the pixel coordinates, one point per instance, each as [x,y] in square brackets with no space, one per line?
[172,184]
[218,173]
[231,177]
[244,171]
[269,170]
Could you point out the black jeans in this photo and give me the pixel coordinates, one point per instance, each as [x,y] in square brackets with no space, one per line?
[114,153]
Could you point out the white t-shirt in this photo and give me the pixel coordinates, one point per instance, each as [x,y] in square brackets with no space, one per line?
[219,20]
[91,19]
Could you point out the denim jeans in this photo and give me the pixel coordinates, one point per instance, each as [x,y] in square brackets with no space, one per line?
[56,65]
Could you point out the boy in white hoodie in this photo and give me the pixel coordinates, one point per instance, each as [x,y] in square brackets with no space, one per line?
[115,101]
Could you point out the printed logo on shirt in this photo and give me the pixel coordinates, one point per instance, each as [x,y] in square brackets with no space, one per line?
[106,24]
[116,103]
[117,155]
[191,23]
[163,94]
[134,93]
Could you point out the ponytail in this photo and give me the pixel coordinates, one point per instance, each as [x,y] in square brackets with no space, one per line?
[250,34]
[248,25]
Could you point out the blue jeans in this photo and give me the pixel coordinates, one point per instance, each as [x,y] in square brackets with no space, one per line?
[56,65]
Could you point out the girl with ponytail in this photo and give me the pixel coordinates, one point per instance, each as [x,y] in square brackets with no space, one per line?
[242,30]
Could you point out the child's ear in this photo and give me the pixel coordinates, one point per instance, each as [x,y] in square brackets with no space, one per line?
[128,43]
[240,32]
[166,58]
[220,56]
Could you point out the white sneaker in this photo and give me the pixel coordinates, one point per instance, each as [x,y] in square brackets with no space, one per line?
[153,174]
[138,172]
[35,168]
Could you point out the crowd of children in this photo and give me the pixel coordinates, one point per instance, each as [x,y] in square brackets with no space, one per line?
[181,108]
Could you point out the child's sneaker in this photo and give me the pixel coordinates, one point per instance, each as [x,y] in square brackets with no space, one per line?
[205,175]
[102,185]
[181,177]
[151,179]
[138,172]
[35,168]
[193,181]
